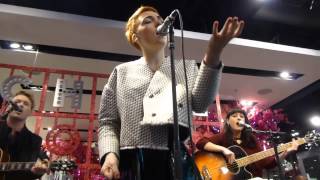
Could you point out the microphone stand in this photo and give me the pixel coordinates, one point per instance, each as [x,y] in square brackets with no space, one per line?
[177,165]
[274,137]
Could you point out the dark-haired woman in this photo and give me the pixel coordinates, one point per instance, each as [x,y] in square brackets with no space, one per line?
[235,135]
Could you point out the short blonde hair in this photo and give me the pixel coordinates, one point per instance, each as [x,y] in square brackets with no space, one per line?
[132,24]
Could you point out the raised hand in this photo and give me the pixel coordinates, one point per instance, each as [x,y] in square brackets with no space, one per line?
[219,39]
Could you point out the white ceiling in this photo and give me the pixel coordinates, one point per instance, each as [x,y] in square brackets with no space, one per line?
[79,32]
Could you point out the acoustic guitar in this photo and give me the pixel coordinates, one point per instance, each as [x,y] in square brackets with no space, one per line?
[6,166]
[213,166]
[59,167]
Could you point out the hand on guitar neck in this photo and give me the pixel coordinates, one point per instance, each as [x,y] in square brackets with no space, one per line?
[40,167]
[293,147]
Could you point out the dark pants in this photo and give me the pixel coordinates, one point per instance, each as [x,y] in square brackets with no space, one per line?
[145,164]
[148,164]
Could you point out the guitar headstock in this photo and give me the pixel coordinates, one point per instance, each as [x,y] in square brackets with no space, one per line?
[62,165]
[312,138]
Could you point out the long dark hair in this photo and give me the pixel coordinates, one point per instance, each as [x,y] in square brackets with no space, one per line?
[247,138]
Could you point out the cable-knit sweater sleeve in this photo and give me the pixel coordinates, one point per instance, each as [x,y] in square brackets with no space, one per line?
[206,87]
[109,122]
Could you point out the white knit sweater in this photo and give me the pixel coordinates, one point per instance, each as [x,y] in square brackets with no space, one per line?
[136,103]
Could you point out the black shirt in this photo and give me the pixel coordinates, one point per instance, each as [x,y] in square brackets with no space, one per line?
[24,146]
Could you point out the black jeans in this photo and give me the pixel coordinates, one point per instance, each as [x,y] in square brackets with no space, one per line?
[149,164]
[145,164]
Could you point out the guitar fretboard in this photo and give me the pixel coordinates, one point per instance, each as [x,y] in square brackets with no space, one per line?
[15,166]
[263,154]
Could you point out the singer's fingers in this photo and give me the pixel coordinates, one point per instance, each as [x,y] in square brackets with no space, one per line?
[115,171]
[215,27]
[226,26]
[233,25]
[295,144]
[230,159]
[107,172]
[239,29]
[229,29]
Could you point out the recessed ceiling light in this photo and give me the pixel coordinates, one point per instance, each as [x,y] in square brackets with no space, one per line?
[27,47]
[264,91]
[15,45]
[315,120]
[246,103]
[285,75]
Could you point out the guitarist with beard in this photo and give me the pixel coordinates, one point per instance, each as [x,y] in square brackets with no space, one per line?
[241,143]
[19,143]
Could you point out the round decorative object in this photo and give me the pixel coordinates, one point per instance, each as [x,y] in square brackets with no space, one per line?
[63,140]
[6,86]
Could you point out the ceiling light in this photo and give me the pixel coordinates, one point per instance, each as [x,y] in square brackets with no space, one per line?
[200,114]
[27,47]
[285,75]
[246,103]
[315,120]
[15,45]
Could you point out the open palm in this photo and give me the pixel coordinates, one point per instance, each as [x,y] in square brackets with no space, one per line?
[219,39]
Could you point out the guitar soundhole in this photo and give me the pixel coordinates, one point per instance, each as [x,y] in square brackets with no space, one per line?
[234,168]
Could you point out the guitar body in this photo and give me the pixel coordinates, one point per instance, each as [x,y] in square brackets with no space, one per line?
[213,166]
[4,157]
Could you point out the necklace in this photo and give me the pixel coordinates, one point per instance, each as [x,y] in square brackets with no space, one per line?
[237,140]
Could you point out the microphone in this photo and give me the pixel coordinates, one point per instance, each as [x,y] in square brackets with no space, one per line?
[15,106]
[243,124]
[163,28]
